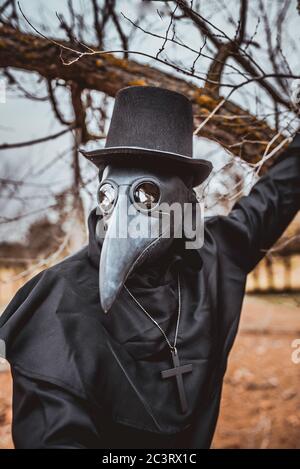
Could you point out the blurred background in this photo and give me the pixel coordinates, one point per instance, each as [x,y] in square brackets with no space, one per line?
[62,63]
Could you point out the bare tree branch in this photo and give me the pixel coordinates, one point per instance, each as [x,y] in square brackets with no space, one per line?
[109,73]
[237,53]
[54,104]
[9,146]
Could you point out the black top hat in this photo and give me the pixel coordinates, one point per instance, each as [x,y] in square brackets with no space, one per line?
[152,126]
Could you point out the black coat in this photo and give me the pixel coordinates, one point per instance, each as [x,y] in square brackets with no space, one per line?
[83,379]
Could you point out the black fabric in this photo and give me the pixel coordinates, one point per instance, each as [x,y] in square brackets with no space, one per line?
[89,380]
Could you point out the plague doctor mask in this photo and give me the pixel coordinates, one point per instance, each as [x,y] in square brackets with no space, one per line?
[147,166]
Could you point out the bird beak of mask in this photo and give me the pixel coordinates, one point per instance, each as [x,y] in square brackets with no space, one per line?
[134,225]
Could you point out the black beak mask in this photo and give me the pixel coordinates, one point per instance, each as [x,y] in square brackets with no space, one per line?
[135,223]
[150,127]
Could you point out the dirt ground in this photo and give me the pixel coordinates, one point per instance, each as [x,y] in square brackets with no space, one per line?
[261,396]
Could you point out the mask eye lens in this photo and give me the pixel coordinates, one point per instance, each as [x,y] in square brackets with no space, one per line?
[106,197]
[146,195]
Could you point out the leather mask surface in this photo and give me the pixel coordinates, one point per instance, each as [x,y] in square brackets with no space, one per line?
[131,235]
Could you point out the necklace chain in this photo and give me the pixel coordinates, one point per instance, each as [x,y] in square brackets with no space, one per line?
[172,347]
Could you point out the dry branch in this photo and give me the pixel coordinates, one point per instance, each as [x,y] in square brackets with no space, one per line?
[107,73]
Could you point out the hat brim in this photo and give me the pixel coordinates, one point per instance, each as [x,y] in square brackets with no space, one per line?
[174,162]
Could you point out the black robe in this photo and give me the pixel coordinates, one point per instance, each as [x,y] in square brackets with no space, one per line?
[83,379]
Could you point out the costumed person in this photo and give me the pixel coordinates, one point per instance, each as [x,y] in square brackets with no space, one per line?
[125,343]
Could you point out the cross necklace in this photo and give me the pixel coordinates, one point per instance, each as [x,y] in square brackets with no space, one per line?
[178,370]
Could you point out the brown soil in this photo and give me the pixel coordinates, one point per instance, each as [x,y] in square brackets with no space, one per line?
[261,395]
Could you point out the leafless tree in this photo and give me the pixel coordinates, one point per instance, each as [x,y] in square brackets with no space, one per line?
[238,67]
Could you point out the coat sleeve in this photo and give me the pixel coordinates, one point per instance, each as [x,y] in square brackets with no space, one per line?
[46,416]
[259,219]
